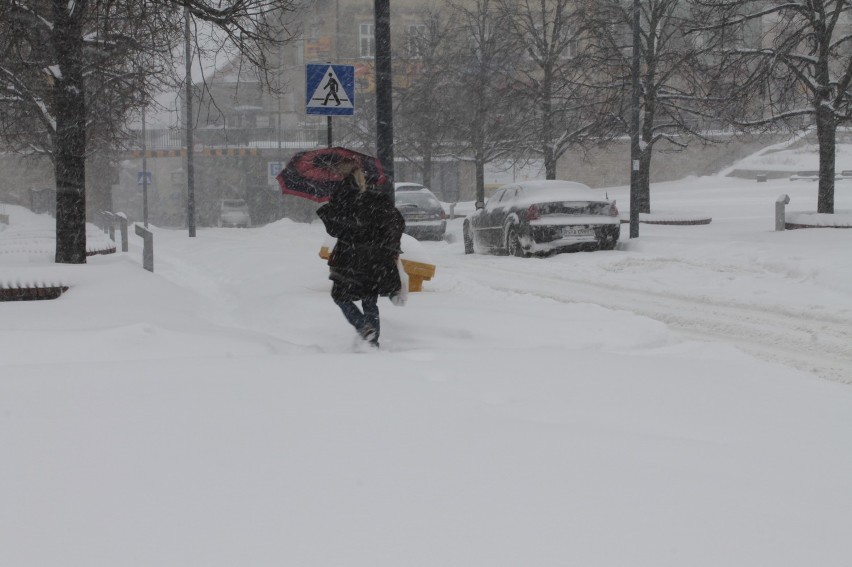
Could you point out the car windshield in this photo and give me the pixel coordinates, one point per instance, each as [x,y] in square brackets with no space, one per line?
[418,200]
[233,204]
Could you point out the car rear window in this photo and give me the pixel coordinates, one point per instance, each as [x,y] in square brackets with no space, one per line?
[421,200]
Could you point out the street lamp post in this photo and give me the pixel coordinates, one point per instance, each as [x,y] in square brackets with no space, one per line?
[635,150]
[384,95]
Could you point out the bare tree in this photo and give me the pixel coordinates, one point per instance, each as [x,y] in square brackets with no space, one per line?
[485,116]
[60,59]
[359,130]
[553,79]
[797,73]
[677,72]
[422,123]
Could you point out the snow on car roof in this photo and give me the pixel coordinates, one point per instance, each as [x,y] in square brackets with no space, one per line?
[559,190]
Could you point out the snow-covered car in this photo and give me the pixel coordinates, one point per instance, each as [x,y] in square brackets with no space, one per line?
[425,218]
[234,212]
[539,217]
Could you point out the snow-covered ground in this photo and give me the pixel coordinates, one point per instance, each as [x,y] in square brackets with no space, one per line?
[682,400]
[802,156]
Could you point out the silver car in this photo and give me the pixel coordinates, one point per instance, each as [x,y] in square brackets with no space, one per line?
[234,212]
[424,216]
[540,217]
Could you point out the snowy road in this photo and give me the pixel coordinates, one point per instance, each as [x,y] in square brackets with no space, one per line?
[770,297]
[816,342]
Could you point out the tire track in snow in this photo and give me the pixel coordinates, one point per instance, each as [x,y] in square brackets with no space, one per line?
[819,344]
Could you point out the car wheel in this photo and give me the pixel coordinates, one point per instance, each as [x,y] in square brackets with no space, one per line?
[468,239]
[513,243]
[608,244]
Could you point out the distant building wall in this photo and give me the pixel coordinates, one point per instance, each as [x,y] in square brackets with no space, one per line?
[610,166]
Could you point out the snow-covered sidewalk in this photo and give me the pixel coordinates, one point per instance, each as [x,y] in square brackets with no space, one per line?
[521,411]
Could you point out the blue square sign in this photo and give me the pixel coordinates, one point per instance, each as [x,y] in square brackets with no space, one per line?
[330,89]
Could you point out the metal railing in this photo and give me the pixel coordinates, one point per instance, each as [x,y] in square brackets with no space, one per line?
[219,137]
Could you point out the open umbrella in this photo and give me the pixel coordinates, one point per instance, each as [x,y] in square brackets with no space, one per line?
[315,174]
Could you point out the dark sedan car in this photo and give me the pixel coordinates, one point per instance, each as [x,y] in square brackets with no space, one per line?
[539,217]
[424,216]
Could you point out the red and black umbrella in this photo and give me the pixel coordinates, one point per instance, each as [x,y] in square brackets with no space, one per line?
[315,174]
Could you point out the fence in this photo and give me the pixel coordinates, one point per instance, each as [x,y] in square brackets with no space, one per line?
[270,138]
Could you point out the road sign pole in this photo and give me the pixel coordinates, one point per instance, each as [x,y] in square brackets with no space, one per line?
[328,118]
[190,146]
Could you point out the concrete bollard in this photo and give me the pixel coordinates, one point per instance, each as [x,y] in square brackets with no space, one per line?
[147,247]
[122,227]
[780,206]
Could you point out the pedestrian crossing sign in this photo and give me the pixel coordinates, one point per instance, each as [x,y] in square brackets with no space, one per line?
[330,89]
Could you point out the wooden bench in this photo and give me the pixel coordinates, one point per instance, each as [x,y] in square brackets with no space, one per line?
[417,271]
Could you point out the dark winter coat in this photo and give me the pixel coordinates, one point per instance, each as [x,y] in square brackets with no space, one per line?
[368,229]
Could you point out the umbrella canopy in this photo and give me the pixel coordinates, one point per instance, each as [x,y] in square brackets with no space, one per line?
[316,174]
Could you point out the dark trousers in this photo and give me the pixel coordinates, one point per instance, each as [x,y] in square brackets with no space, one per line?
[362,320]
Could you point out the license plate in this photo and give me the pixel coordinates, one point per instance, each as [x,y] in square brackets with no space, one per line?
[572,231]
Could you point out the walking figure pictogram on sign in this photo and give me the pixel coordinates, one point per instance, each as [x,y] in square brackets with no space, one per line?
[332,85]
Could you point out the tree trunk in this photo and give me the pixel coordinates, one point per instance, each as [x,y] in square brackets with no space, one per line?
[479,164]
[547,126]
[645,180]
[427,166]
[826,131]
[549,162]
[70,137]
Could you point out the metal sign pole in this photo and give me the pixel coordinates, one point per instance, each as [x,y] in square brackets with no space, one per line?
[144,172]
[190,166]
[328,118]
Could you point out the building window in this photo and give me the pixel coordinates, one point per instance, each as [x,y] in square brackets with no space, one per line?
[416,41]
[367,40]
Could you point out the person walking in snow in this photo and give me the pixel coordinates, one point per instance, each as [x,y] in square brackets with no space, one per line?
[363,263]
